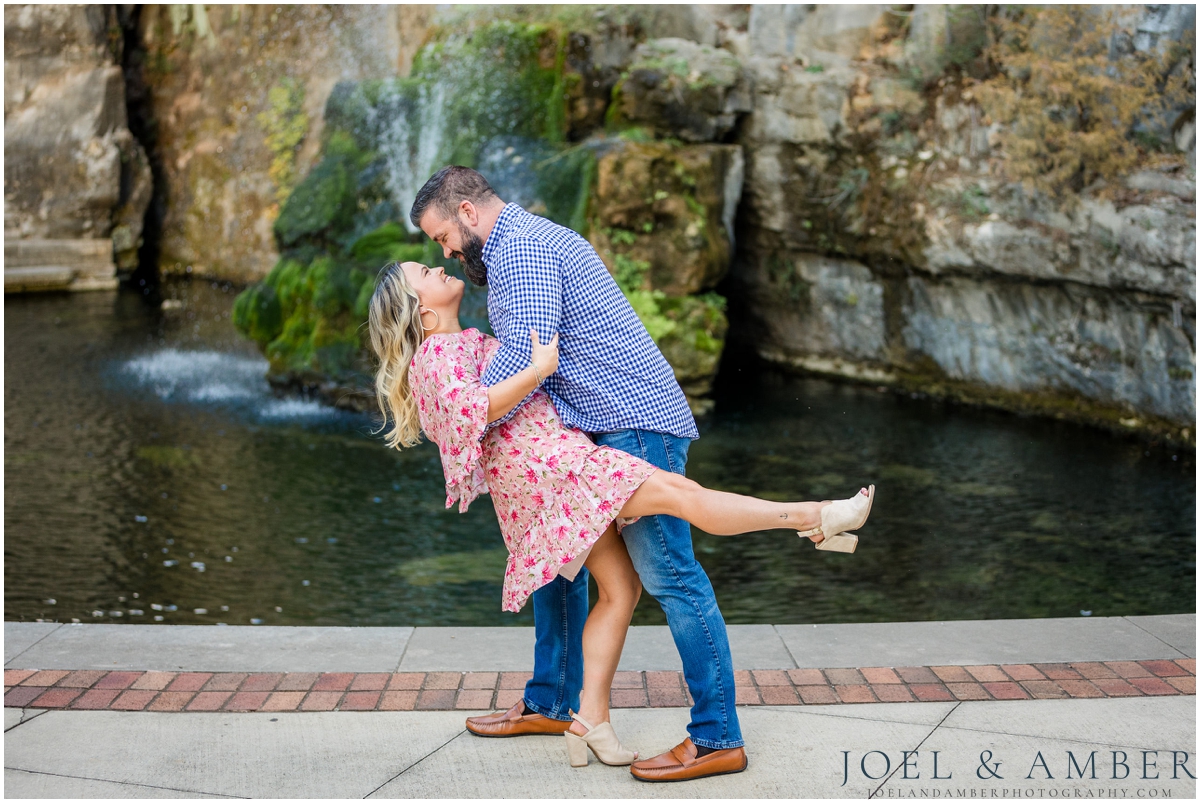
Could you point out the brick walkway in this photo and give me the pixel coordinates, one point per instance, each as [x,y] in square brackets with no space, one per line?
[480,691]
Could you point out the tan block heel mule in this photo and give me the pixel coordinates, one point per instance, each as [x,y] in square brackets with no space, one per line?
[840,516]
[602,740]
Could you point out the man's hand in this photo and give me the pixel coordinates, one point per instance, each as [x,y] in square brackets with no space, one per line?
[544,357]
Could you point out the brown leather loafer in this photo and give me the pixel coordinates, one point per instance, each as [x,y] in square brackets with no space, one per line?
[681,764]
[513,723]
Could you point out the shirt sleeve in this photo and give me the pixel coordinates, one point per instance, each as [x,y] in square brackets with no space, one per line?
[528,284]
[453,406]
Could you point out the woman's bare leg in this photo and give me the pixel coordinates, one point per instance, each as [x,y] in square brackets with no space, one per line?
[718,512]
[607,624]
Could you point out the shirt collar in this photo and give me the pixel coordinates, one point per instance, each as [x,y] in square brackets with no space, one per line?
[504,224]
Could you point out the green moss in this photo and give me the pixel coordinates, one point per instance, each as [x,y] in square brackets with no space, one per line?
[286,125]
[326,199]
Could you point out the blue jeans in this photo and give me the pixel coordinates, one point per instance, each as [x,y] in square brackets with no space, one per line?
[661,549]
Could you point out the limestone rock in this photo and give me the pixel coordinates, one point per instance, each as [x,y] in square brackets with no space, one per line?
[73,170]
[677,88]
[211,72]
[1024,337]
[671,207]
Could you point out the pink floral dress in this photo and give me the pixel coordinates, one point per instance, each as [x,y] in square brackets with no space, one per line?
[555,492]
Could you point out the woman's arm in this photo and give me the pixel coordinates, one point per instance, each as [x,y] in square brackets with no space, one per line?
[505,395]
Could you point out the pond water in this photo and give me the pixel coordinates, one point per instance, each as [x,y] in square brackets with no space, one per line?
[151,475]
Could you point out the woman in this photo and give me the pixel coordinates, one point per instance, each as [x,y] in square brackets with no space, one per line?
[558,496]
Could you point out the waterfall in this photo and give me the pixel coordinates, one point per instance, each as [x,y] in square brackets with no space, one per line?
[411,135]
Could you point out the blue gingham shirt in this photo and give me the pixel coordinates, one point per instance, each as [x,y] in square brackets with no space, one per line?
[610,374]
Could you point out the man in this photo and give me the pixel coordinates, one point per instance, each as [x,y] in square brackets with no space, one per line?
[612,382]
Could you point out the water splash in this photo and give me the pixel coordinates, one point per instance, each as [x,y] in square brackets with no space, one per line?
[213,377]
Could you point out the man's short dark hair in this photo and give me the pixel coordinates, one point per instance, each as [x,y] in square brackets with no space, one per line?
[448,188]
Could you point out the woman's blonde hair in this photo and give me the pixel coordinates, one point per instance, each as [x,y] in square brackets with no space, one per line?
[396,334]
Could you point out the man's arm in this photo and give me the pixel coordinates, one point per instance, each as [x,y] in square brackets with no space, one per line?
[529,281]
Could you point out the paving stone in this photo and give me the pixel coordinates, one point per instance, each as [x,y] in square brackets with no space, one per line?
[669,680]
[1093,669]
[807,677]
[209,701]
[56,698]
[1057,671]
[474,700]
[1186,684]
[742,677]
[1006,690]
[84,679]
[1022,672]
[817,695]
[95,699]
[133,700]
[1164,669]
[968,691]
[777,695]
[22,696]
[398,701]
[321,701]
[436,700]
[333,681]
[1187,663]
[171,701]
[1116,687]
[916,674]
[14,676]
[297,681]
[930,692]
[225,681]
[406,680]
[627,680]
[845,677]
[892,693]
[661,697]
[628,698]
[1128,669]
[188,681]
[284,701]
[507,698]
[953,674]
[119,680]
[747,695]
[480,680]
[1043,689]
[516,680]
[1153,686]
[247,701]
[156,681]
[262,681]
[360,701]
[1079,688]
[876,675]
[443,680]
[46,677]
[988,673]
[858,693]
[372,681]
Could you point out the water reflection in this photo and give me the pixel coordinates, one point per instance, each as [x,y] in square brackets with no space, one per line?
[151,475]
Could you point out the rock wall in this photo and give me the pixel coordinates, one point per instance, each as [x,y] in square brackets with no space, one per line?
[879,238]
[72,168]
[238,96]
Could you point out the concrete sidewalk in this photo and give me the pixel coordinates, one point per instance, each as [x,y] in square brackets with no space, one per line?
[207,648]
[1138,746]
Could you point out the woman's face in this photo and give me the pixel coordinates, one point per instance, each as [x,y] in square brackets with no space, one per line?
[435,289]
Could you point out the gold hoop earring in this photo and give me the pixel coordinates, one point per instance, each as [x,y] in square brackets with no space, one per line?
[437,320]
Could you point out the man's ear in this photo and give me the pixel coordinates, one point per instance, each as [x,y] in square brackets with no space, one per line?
[468,214]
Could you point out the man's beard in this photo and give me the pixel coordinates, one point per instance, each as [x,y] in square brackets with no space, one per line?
[471,257]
